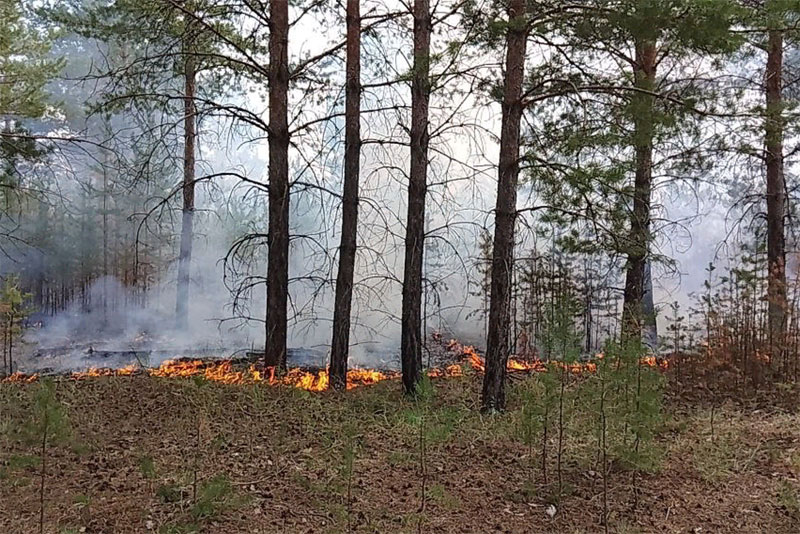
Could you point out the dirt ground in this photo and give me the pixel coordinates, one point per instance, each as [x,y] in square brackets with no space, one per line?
[174,456]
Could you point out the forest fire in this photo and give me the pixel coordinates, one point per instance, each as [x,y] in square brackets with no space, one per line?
[224,371]
[21,378]
[476,361]
[471,356]
[96,372]
[652,361]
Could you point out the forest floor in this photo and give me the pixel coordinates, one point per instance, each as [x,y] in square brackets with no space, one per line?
[175,456]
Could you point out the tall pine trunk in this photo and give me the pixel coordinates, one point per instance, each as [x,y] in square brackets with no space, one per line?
[497,342]
[776,196]
[189,135]
[639,239]
[352,152]
[411,327]
[278,238]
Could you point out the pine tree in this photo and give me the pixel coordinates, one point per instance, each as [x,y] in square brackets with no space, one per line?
[13,311]
[609,130]
[352,154]
[777,17]
[411,320]
[497,342]
[278,242]
[26,66]
[159,51]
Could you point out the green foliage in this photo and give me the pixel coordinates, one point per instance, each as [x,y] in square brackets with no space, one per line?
[715,460]
[789,498]
[349,451]
[50,421]
[561,340]
[433,423]
[422,401]
[633,401]
[687,25]
[25,62]
[12,300]
[17,461]
[147,467]
[13,310]
[676,338]
[168,493]
[179,528]
[598,108]
[81,501]
[439,494]
[152,40]
[47,426]
[537,397]
[484,271]
[17,146]
[610,411]
[214,496]
[26,66]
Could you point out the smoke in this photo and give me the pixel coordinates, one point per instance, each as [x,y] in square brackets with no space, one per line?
[110,317]
[227,293]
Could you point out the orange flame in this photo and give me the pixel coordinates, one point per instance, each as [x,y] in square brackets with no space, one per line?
[21,378]
[224,372]
[471,356]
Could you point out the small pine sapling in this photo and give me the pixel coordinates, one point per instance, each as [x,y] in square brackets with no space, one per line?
[531,414]
[13,312]
[599,381]
[49,425]
[562,343]
[418,416]
[347,469]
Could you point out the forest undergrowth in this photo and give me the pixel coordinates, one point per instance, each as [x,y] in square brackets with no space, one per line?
[143,454]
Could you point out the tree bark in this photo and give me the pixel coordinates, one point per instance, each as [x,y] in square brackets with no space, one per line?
[639,239]
[189,135]
[776,195]
[347,248]
[278,238]
[411,321]
[497,342]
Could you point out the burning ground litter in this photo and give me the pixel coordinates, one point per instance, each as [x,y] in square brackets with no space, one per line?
[227,371]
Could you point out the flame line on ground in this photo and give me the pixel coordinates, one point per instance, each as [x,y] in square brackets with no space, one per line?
[224,372]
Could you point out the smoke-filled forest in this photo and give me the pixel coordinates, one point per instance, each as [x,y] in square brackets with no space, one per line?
[461,266]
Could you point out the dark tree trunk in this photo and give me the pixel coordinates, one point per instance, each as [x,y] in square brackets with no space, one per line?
[639,239]
[189,135]
[497,342]
[347,249]
[278,239]
[411,327]
[776,196]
